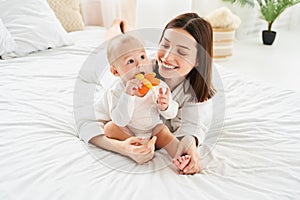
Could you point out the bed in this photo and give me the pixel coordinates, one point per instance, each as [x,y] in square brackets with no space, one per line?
[255,155]
[251,150]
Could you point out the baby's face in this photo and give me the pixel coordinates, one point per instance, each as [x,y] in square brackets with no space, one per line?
[132,63]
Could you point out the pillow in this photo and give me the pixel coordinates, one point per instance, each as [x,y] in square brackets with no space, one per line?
[33,25]
[7,44]
[68,13]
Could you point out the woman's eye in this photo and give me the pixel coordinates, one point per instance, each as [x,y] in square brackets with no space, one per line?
[180,52]
[130,61]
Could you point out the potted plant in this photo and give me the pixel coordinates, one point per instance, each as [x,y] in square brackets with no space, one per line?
[270,10]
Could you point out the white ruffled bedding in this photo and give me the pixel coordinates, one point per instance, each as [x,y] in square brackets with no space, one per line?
[256,155]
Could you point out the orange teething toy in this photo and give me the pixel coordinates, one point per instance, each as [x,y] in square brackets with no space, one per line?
[148,82]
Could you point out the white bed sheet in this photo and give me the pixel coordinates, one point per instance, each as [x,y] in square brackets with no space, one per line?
[256,155]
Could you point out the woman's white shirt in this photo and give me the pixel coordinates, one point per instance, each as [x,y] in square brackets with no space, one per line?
[193,118]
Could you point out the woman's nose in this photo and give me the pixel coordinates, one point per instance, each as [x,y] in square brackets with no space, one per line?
[168,55]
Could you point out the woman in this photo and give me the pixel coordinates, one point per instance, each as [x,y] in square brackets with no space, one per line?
[184,62]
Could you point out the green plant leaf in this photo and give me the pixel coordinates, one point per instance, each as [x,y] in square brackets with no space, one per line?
[269,9]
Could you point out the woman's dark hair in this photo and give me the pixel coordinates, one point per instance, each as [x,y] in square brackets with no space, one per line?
[201,30]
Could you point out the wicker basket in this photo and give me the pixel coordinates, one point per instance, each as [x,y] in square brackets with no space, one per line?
[222,43]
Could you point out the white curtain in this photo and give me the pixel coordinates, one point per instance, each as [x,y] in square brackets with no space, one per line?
[156,13]
[91,12]
[112,9]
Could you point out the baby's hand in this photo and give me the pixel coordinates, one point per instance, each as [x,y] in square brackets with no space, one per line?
[132,86]
[163,99]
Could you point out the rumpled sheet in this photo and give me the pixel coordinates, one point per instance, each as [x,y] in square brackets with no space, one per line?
[256,155]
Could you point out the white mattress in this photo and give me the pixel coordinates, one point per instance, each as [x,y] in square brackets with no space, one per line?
[256,155]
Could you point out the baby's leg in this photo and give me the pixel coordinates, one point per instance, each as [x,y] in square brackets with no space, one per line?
[111,130]
[166,140]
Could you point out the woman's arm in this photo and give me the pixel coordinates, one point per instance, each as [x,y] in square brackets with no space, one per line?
[192,122]
[91,130]
[194,119]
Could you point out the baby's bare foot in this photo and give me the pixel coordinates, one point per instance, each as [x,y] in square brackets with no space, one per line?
[182,161]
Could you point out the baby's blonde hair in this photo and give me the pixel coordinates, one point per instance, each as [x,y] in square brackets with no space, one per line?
[121,45]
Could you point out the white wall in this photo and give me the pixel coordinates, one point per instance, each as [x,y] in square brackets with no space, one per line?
[156,13]
[295,17]
[204,7]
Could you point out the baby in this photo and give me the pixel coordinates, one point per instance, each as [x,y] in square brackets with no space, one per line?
[133,112]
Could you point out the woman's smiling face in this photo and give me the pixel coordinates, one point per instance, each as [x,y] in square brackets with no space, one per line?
[177,53]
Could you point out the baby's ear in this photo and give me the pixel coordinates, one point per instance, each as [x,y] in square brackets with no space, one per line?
[114,71]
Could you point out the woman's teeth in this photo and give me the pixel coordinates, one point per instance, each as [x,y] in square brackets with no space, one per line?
[168,66]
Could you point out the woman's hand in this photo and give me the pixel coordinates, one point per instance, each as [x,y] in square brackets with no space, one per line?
[194,165]
[188,146]
[141,153]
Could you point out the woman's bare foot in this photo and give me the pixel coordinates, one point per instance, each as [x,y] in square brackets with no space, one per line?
[118,26]
[182,161]
[124,26]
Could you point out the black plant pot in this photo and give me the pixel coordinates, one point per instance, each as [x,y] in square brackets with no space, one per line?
[268,37]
